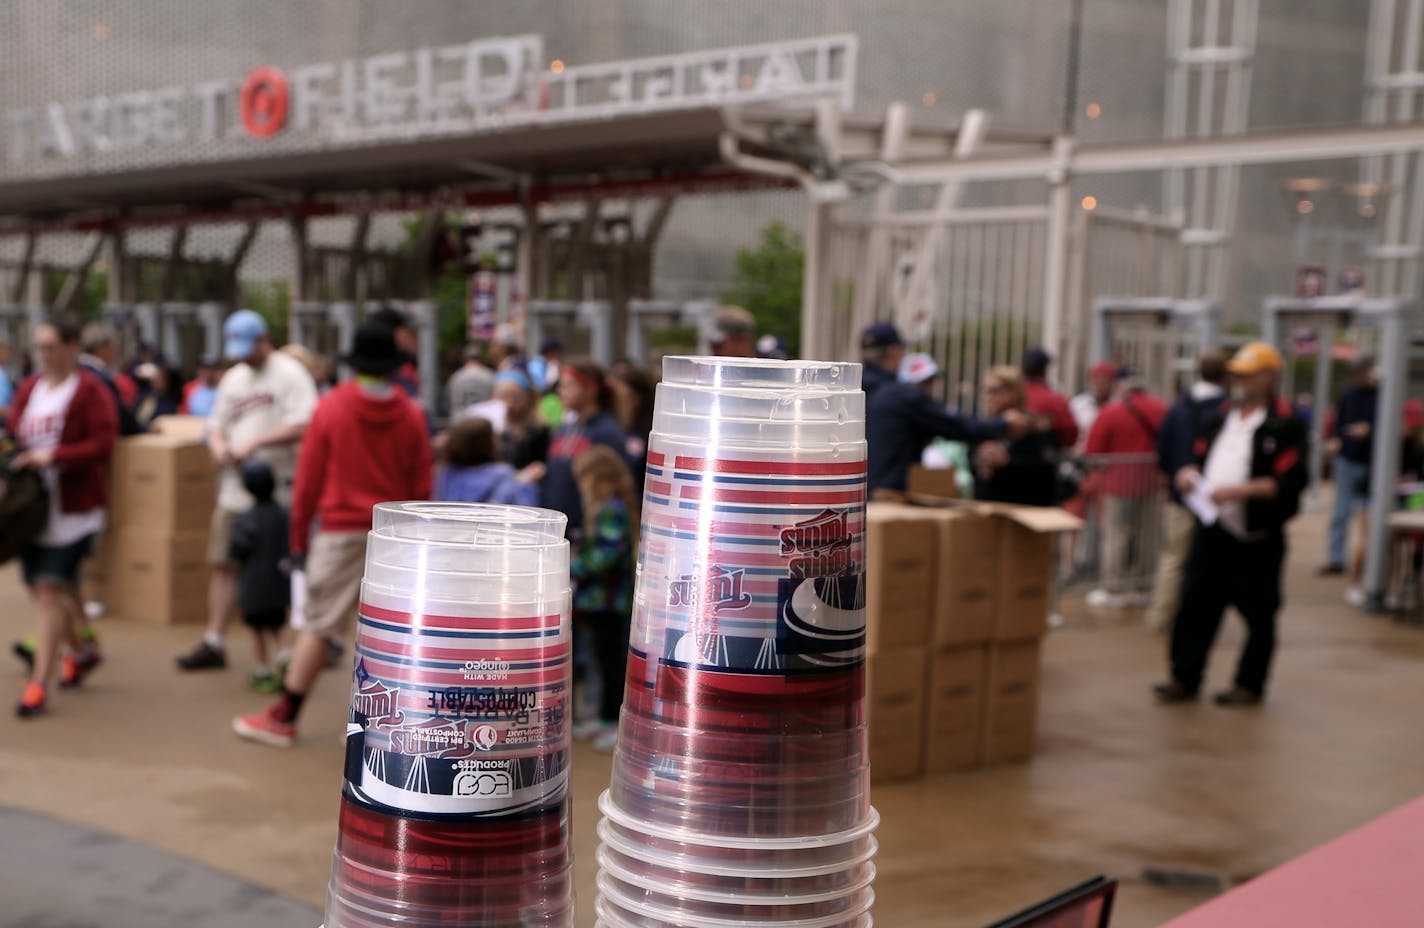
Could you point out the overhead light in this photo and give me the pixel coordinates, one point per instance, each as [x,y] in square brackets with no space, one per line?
[1304,206]
[929,98]
[557,66]
[1093,110]
[1090,203]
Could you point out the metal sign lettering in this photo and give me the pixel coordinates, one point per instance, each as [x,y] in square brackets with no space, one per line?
[458,89]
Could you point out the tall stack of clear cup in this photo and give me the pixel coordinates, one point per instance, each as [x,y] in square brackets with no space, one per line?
[740,784]
[455,807]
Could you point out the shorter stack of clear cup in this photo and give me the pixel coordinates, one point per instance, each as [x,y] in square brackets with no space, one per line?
[455,806]
[740,786]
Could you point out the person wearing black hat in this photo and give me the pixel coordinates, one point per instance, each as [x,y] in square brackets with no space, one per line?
[881,351]
[902,417]
[366,444]
[407,340]
[1044,401]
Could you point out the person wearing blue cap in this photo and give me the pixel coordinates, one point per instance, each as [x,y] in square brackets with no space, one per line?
[902,417]
[261,410]
[881,351]
[526,436]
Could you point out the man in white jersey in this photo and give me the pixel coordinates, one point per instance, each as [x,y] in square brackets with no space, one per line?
[263,405]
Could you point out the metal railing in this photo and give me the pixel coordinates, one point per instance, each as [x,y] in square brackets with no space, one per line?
[1115,557]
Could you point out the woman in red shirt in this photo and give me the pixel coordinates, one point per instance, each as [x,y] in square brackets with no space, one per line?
[66,422]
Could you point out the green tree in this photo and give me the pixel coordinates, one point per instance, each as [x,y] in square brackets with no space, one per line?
[270,299]
[768,283]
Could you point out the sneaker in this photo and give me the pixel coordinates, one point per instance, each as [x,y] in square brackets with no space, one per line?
[1355,596]
[32,700]
[607,739]
[1330,570]
[263,680]
[75,667]
[587,730]
[202,657]
[25,651]
[265,728]
[1104,599]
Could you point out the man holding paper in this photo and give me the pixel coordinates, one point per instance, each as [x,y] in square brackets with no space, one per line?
[1244,485]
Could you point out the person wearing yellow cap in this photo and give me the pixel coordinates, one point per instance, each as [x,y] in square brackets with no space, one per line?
[1243,485]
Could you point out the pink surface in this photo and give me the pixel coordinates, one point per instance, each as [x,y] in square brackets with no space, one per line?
[1372,876]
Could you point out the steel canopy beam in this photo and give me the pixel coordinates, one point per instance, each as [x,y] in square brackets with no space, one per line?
[1123,158]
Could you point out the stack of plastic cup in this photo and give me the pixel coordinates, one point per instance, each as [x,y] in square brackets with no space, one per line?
[455,804]
[740,784]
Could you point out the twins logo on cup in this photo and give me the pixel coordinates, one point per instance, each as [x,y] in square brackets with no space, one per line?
[459,715]
[752,564]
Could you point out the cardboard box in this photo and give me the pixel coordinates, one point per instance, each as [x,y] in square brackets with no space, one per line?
[932,482]
[895,709]
[1026,574]
[966,583]
[901,561]
[162,483]
[955,701]
[188,428]
[159,577]
[1011,707]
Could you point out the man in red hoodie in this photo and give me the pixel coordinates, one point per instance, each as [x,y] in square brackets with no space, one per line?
[1123,442]
[366,444]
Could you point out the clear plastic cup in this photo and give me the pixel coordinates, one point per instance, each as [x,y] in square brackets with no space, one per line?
[610,916]
[455,803]
[760,843]
[757,890]
[730,913]
[832,861]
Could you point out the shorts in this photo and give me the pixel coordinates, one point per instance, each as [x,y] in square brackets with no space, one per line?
[336,562]
[272,619]
[56,566]
[220,537]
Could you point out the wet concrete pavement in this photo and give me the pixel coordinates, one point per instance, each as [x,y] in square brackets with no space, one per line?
[1119,785]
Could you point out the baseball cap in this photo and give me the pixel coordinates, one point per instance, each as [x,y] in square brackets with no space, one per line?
[1103,369]
[1036,361]
[241,332]
[731,320]
[1255,357]
[918,368]
[880,335]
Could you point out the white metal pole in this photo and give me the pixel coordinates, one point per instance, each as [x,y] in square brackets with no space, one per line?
[1060,225]
[1384,470]
[815,314]
[1325,347]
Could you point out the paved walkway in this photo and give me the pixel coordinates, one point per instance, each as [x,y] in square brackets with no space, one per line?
[57,875]
[1119,785]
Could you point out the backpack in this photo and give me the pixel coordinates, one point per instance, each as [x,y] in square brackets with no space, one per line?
[24,512]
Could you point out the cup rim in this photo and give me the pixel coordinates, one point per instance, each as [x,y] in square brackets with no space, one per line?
[617,842]
[611,811]
[683,890]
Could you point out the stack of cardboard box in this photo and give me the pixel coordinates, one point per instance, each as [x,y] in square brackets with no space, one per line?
[152,565]
[957,602]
